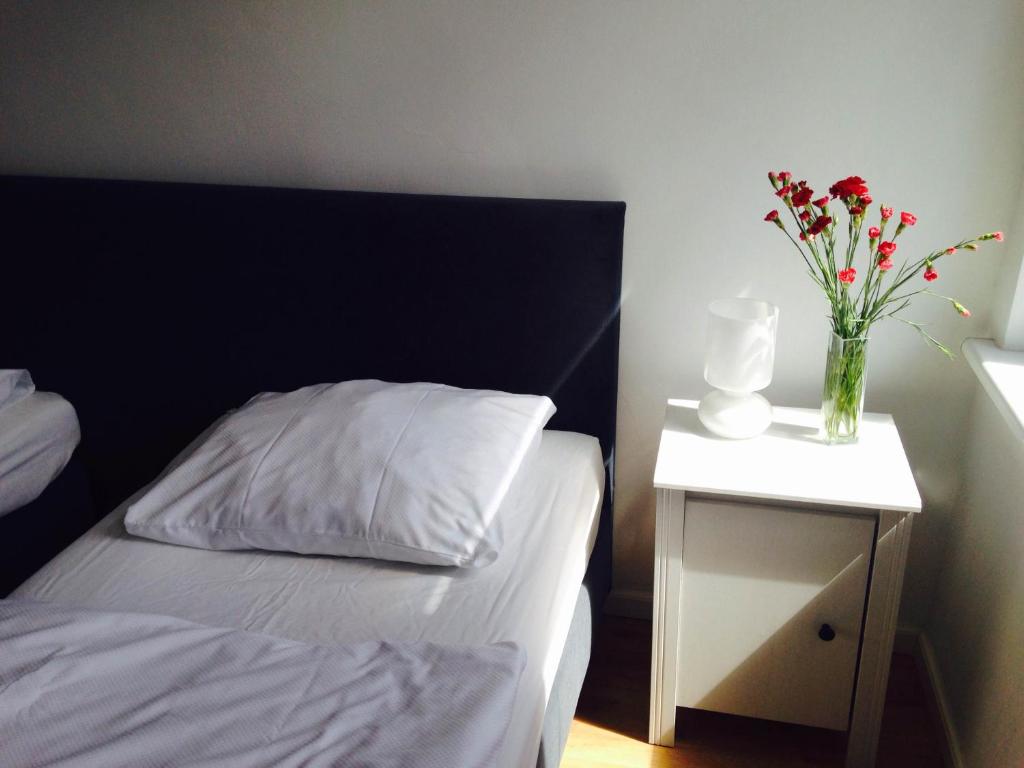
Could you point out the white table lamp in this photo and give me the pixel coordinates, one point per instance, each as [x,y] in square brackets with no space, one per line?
[738,362]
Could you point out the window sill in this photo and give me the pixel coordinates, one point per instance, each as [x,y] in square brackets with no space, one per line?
[1001,374]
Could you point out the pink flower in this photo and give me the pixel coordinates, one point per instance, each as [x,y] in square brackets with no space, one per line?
[803,196]
[772,216]
[950,251]
[772,177]
[887,247]
[961,309]
[887,213]
[930,274]
[908,219]
[885,264]
[997,236]
[818,225]
[851,186]
[785,176]
[874,232]
[847,275]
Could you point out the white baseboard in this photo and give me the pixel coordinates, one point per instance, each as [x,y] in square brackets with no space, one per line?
[926,655]
[631,603]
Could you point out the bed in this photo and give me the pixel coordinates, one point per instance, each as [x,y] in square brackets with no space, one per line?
[157,307]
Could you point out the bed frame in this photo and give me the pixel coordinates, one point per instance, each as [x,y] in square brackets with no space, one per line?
[156,307]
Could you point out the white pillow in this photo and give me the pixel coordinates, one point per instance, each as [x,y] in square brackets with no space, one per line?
[15,383]
[410,472]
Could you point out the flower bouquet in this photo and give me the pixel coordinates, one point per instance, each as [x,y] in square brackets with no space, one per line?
[883,292]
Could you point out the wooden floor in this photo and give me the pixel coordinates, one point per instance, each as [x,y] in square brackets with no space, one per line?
[610,728]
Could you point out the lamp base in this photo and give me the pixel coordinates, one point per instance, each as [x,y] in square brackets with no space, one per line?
[736,415]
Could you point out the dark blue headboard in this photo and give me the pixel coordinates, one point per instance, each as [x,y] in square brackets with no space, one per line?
[155,307]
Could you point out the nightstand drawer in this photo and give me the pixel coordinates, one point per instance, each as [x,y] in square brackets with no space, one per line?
[771,611]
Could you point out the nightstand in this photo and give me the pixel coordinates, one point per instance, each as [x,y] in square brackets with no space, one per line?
[778,567]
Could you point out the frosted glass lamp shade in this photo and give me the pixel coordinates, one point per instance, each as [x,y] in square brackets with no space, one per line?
[738,361]
[740,352]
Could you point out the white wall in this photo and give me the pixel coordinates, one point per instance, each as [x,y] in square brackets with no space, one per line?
[1008,303]
[678,108]
[977,626]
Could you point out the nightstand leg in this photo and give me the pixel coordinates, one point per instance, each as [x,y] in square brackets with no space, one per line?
[879,627]
[668,561]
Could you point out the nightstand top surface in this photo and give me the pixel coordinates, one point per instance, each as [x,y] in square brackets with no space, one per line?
[789,462]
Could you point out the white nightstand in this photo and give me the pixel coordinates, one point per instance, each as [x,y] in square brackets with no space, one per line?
[777,573]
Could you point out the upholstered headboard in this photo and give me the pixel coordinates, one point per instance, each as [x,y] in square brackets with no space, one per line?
[155,307]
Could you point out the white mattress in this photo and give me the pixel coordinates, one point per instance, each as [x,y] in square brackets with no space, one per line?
[38,434]
[526,596]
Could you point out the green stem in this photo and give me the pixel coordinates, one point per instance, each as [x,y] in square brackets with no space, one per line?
[928,337]
[843,394]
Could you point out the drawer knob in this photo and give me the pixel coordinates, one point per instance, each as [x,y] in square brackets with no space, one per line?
[826,633]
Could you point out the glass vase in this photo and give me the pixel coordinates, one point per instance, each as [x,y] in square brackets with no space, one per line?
[842,401]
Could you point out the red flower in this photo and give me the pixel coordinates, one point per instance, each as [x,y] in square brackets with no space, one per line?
[908,219]
[887,247]
[874,232]
[805,215]
[783,191]
[865,199]
[851,186]
[772,177]
[950,251]
[819,225]
[803,196]
[821,202]
[847,275]
[885,264]
[997,236]
[772,216]
[930,274]
[803,236]
[856,210]
[887,213]
[785,176]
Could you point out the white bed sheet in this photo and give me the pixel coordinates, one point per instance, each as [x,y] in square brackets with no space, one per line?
[108,689]
[526,596]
